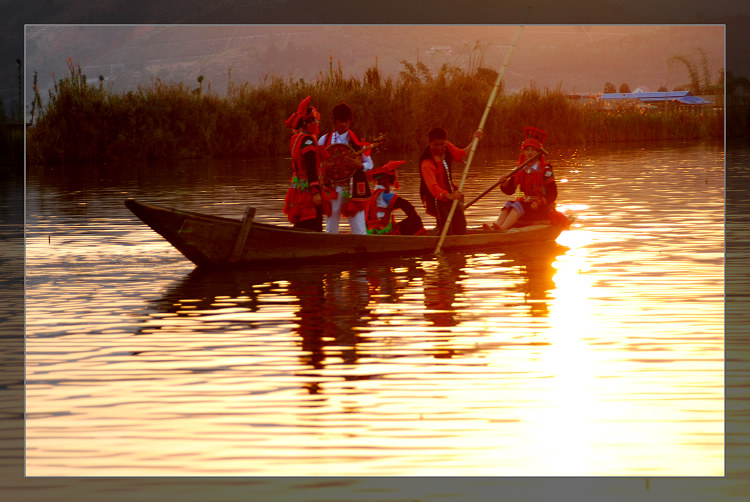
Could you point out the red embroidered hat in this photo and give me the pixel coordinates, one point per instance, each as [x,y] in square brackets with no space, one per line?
[387,169]
[534,137]
[304,114]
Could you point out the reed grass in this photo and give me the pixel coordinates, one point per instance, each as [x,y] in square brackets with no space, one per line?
[84,122]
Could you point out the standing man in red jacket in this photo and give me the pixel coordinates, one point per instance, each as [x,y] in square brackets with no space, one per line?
[437,189]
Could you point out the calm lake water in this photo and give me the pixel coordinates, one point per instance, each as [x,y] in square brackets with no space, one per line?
[600,354]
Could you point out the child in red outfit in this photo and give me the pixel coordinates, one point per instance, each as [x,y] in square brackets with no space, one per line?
[536,182]
[385,201]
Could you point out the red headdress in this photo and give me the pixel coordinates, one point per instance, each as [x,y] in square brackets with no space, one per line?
[534,137]
[387,169]
[304,114]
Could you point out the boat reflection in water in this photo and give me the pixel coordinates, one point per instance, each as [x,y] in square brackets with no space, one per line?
[332,308]
[356,313]
[441,287]
[535,264]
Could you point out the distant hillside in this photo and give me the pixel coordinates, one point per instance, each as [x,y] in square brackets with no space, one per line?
[546,72]
[579,59]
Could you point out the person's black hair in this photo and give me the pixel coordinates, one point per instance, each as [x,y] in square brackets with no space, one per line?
[437,133]
[342,112]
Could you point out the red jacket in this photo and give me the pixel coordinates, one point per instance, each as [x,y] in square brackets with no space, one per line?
[437,180]
[539,182]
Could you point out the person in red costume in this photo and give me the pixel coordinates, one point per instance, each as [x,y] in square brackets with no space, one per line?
[536,182]
[305,201]
[353,195]
[436,188]
[384,201]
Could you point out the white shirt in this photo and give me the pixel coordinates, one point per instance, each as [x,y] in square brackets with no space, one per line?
[337,138]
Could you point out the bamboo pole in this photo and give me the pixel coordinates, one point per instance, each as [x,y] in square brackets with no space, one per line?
[475,140]
[500,181]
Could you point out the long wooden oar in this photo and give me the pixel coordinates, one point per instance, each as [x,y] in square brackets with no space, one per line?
[474,141]
[501,180]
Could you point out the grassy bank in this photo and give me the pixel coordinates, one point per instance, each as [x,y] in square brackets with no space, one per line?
[83,121]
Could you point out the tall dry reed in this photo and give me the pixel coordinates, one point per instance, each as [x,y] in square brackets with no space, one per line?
[83,121]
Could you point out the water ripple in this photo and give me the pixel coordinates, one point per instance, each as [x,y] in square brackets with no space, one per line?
[574,358]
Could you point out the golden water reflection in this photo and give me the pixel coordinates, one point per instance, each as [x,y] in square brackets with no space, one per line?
[537,372]
[600,354]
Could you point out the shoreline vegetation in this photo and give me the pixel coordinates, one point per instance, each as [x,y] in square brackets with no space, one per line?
[84,122]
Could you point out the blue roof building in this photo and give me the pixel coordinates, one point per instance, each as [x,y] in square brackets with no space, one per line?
[677,97]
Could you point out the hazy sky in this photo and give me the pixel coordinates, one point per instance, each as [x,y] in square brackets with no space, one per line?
[577,58]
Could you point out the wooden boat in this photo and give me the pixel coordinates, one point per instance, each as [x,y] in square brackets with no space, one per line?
[215,241]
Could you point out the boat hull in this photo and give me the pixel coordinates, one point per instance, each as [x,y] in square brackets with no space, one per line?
[214,241]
